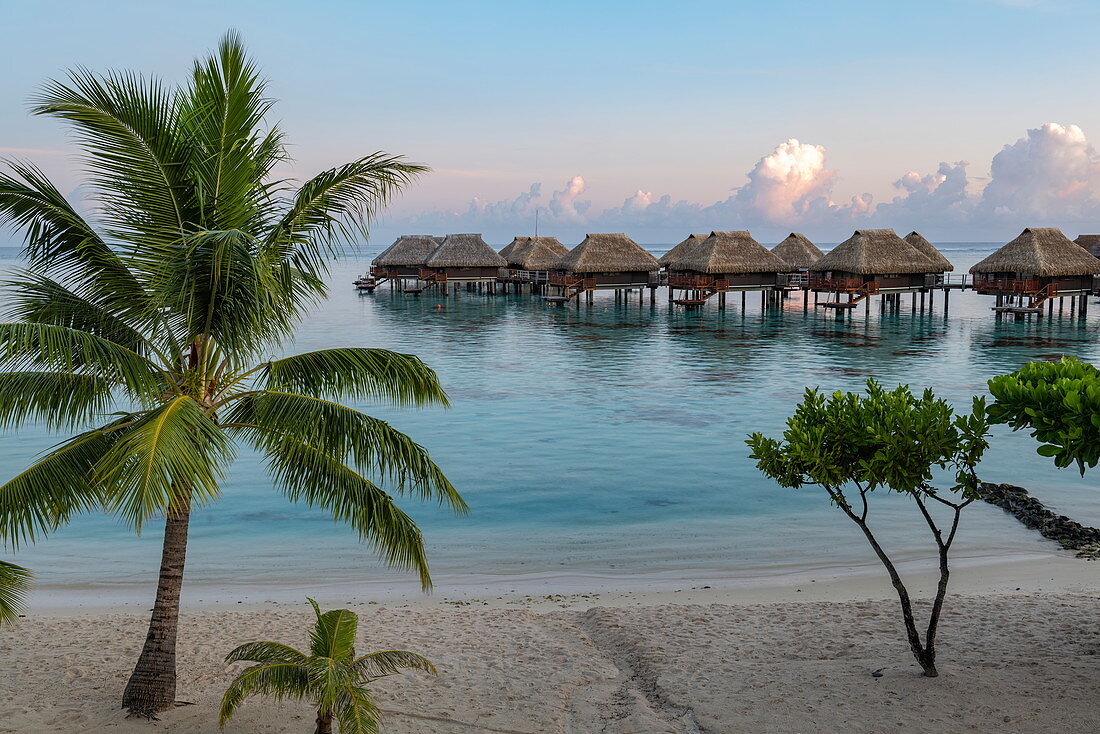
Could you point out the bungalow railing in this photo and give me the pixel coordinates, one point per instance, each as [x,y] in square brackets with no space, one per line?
[697,281]
[795,280]
[821,283]
[530,276]
[1006,285]
[432,275]
[565,280]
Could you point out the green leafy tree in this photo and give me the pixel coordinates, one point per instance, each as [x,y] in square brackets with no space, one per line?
[149,329]
[330,676]
[14,584]
[1059,402]
[850,445]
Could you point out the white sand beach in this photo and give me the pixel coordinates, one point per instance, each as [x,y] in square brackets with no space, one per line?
[1019,652]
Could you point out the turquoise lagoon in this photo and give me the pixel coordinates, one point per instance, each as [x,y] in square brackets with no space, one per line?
[604,444]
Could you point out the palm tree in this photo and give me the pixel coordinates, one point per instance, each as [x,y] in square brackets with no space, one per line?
[154,326]
[331,676]
[14,582]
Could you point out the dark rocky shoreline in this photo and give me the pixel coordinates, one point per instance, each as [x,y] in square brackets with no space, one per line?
[1068,533]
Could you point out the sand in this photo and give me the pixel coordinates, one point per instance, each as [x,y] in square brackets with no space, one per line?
[1011,661]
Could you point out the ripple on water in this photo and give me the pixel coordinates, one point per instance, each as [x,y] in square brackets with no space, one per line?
[610,437]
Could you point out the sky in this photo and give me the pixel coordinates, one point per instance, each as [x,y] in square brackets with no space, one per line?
[967,120]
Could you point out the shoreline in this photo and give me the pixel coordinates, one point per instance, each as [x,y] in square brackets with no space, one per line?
[1018,573]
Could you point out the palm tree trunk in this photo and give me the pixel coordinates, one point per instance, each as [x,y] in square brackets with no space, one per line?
[152,685]
[324,724]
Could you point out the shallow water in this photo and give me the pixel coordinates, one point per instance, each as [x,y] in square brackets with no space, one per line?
[610,439]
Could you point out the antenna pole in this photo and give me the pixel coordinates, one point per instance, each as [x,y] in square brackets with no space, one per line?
[536,221]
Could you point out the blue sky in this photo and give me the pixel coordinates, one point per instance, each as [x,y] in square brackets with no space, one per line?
[639,100]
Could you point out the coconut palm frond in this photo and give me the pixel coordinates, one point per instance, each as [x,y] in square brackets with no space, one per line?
[38,299]
[135,155]
[358,373]
[57,399]
[307,473]
[56,487]
[279,680]
[333,636]
[389,662]
[265,652]
[61,243]
[369,444]
[15,583]
[356,712]
[33,347]
[223,110]
[170,454]
[332,209]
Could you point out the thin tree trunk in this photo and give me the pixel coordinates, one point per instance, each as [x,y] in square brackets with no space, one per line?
[324,724]
[152,685]
[926,657]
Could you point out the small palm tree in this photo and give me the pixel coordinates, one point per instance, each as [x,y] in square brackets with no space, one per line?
[331,677]
[14,582]
[148,330]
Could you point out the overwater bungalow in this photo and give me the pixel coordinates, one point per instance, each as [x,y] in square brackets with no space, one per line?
[872,261]
[461,258]
[1090,242]
[530,260]
[603,261]
[680,249]
[724,261]
[797,252]
[917,240]
[404,258]
[507,249]
[1041,264]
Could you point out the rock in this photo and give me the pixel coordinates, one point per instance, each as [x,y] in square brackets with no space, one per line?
[1068,533]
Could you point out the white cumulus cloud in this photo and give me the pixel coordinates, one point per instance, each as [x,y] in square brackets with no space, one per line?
[1053,172]
[785,184]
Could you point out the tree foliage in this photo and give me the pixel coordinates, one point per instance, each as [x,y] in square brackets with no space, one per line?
[1059,402]
[851,445]
[148,325]
[330,676]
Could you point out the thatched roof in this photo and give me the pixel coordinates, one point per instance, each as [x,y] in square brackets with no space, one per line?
[1090,242]
[797,251]
[875,252]
[536,253]
[916,239]
[464,251]
[511,246]
[681,249]
[1042,251]
[408,249]
[729,252]
[607,253]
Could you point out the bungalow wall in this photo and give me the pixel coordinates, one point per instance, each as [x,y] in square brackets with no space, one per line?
[733,280]
[884,280]
[1025,282]
[479,273]
[621,278]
